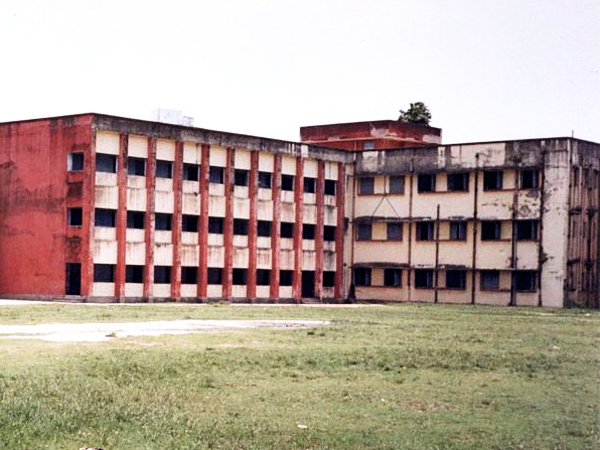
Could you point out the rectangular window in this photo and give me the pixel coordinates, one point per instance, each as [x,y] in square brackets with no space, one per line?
[134,274]
[286,277]
[490,280]
[106,163]
[368,145]
[216,174]
[423,278]
[239,277]
[287,229]
[392,277]
[425,231]
[458,231]
[164,169]
[426,183]
[264,180]
[526,230]
[529,179]
[73,279]
[366,186]
[105,217]
[362,276]
[491,230]
[397,184]
[287,182]
[162,274]
[189,223]
[263,228]
[104,273]
[240,177]
[263,277]
[308,231]
[364,231]
[162,221]
[75,162]
[191,172]
[214,275]
[136,219]
[215,225]
[458,182]
[75,217]
[240,227]
[328,279]
[189,275]
[328,233]
[394,231]
[525,280]
[310,185]
[330,186]
[456,279]
[493,180]
[136,166]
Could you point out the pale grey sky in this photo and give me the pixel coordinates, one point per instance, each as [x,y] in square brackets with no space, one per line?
[488,70]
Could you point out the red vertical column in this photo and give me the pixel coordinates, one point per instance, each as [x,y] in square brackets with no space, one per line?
[150,201]
[176,225]
[339,233]
[228,225]
[252,227]
[121,218]
[89,194]
[203,225]
[275,226]
[319,230]
[298,201]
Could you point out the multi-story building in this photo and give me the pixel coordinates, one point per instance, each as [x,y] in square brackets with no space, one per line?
[104,208]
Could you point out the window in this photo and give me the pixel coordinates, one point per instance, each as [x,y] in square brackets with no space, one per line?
[330,186]
[328,233]
[397,184]
[135,219]
[164,169]
[308,231]
[368,145]
[425,231]
[394,231]
[426,183]
[529,179]
[191,172]
[286,277]
[362,276]
[310,185]
[364,231]
[104,273]
[526,230]
[525,280]
[73,279]
[240,226]
[239,277]
[263,277]
[162,274]
[287,182]
[189,223]
[492,180]
[328,279]
[263,228]
[162,221]
[216,175]
[240,177]
[215,225]
[136,166]
[106,163]
[458,231]
[75,162]
[264,180]
[105,217]
[491,230]
[214,275]
[456,279]
[75,217]
[458,182]
[392,277]
[490,280]
[189,275]
[423,278]
[287,230]
[134,274]
[366,186]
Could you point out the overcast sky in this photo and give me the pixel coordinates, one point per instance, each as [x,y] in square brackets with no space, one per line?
[488,70]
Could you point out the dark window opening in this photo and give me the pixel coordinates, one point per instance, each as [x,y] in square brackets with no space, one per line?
[162,221]
[490,280]
[136,166]
[491,230]
[214,275]
[492,180]
[362,276]
[458,231]
[240,177]
[366,186]
[189,275]
[310,185]
[426,183]
[423,278]
[330,186]
[75,162]
[529,179]
[458,182]
[162,274]
[105,217]
[364,231]
[191,172]
[264,180]
[104,273]
[239,277]
[287,182]
[425,231]
[286,277]
[136,219]
[456,279]
[216,174]
[328,233]
[75,217]
[368,145]
[328,279]
[525,281]
[215,225]
[73,279]
[526,230]
[397,184]
[308,231]
[240,226]
[263,228]
[394,231]
[164,169]
[134,274]
[392,277]
[189,223]
[287,230]
[106,163]
[263,277]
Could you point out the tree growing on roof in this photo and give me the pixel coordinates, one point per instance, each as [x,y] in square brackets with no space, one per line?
[417,113]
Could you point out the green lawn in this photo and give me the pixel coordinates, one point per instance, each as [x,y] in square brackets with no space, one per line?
[380,377]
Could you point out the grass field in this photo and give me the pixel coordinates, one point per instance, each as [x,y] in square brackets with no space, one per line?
[380,377]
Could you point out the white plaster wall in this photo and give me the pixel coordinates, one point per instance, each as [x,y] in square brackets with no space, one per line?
[423,253]
[215,189]
[163,236]
[263,259]
[527,255]
[216,206]
[311,168]
[104,252]
[105,233]
[456,253]
[106,197]
[162,291]
[135,235]
[242,159]
[135,253]
[329,216]
[165,150]
[191,153]
[134,290]
[241,208]
[240,241]
[331,170]
[215,240]
[262,291]
[189,238]
[240,258]
[308,260]
[285,292]
[190,204]
[286,260]
[495,205]
[265,162]
[136,199]
[137,146]
[238,291]
[309,198]
[309,214]
[163,254]
[103,289]
[216,256]
[217,156]
[190,187]
[164,202]
[107,142]
[288,165]
[264,210]
[493,255]
[240,191]
[106,179]
[214,291]
[189,255]
[189,290]
[263,242]
[164,184]
[308,244]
